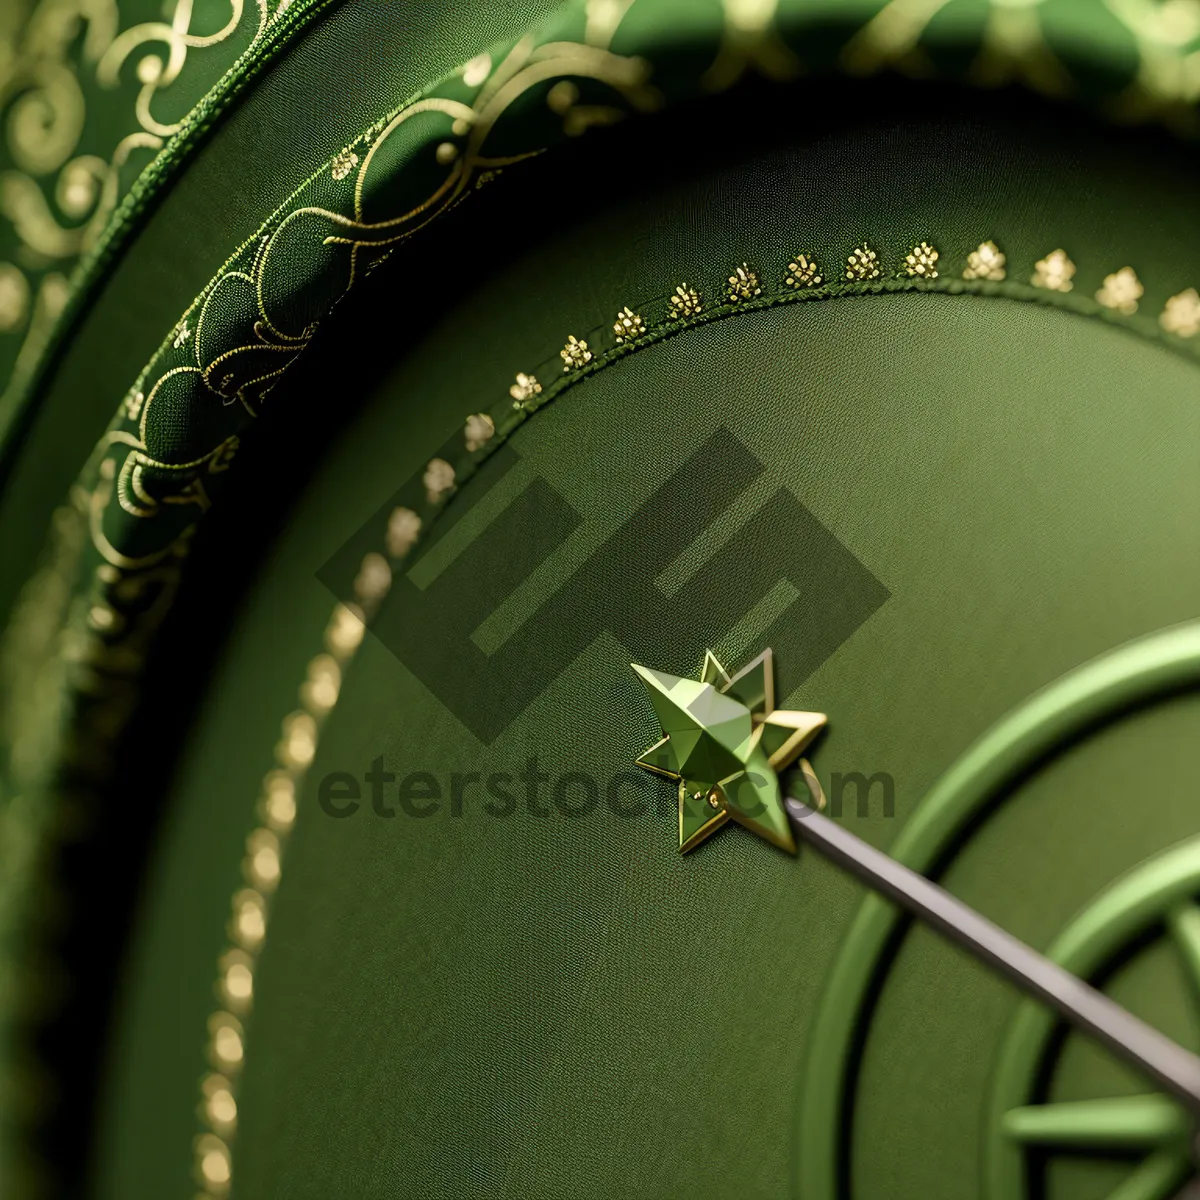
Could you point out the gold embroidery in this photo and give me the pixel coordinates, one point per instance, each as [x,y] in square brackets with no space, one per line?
[685,302]
[628,325]
[1181,314]
[343,163]
[1121,291]
[921,262]
[154,72]
[802,273]
[986,261]
[743,284]
[575,354]
[862,264]
[345,630]
[524,389]
[1054,272]
[261,864]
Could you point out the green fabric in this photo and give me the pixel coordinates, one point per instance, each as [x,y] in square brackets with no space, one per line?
[283,129]
[957,395]
[83,127]
[880,410]
[501,1007]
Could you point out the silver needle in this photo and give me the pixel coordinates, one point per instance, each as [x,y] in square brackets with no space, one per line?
[1175,1069]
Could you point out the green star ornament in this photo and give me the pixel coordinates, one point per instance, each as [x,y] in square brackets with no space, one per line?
[724,741]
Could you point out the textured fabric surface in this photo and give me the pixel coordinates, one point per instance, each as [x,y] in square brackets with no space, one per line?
[530,1007]
[93,93]
[520,1004]
[963,447]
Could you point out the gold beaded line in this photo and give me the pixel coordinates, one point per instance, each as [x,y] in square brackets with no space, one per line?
[262,865]
[1119,294]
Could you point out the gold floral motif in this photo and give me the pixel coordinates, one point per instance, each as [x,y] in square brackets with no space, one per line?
[479,430]
[628,325]
[438,479]
[986,261]
[404,527]
[182,333]
[862,264]
[743,284]
[802,273]
[1181,314]
[921,262]
[343,163]
[1054,272]
[524,389]
[685,302]
[1121,291]
[575,354]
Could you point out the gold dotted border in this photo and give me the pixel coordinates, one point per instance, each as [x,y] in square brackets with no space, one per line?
[985,272]
[262,869]
[262,865]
